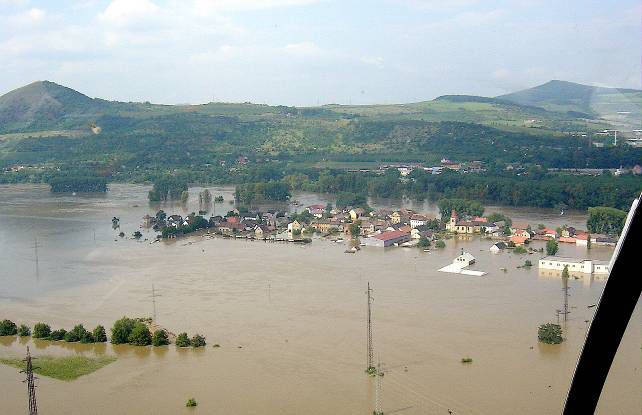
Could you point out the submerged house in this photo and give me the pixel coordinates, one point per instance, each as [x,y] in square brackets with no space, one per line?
[386,239]
[498,247]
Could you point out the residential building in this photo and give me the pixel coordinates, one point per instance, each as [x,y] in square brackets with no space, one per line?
[386,239]
[585,266]
[498,247]
[357,213]
[316,210]
[294,226]
[418,220]
[518,240]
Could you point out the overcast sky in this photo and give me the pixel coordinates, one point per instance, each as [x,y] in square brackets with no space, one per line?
[304,52]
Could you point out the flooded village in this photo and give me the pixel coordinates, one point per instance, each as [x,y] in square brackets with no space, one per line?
[290,318]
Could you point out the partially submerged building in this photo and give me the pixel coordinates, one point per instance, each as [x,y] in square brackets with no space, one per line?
[584,266]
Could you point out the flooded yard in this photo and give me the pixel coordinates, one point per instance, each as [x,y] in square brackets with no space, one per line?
[290,320]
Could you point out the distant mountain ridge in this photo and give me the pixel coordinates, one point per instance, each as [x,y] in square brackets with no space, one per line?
[559,95]
[45,105]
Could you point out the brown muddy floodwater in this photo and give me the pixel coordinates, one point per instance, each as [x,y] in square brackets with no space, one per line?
[290,319]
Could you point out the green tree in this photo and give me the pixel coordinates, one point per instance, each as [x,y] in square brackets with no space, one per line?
[440,244]
[550,333]
[191,402]
[121,330]
[140,335]
[606,220]
[463,207]
[24,330]
[355,229]
[204,197]
[138,235]
[197,341]
[182,340]
[77,334]
[41,331]
[8,328]
[519,250]
[423,242]
[58,334]
[160,338]
[99,334]
[184,196]
[552,247]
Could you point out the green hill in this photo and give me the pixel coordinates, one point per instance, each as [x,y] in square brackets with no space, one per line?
[46,124]
[43,104]
[619,106]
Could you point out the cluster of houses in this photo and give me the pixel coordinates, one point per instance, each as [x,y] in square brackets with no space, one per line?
[405,169]
[518,233]
[376,228]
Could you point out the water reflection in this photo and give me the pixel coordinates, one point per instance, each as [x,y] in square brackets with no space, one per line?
[7,340]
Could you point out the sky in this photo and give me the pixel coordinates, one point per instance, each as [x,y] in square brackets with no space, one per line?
[310,52]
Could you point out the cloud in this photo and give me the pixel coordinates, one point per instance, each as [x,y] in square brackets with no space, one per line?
[28,17]
[128,12]
[209,7]
[373,60]
[432,5]
[304,50]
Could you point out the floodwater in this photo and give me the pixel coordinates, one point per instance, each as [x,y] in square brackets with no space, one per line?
[290,320]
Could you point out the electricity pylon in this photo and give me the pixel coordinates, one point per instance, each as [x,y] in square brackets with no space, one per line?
[31,387]
[370,369]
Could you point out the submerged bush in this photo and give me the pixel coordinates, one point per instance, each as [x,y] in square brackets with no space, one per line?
[160,338]
[78,334]
[182,340]
[440,244]
[550,333]
[140,335]
[8,328]
[99,334]
[24,331]
[198,341]
[121,330]
[519,250]
[41,331]
[191,402]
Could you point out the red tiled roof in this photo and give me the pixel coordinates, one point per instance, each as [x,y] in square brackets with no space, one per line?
[386,236]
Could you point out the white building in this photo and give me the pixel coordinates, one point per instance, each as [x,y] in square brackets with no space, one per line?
[585,266]
[465,258]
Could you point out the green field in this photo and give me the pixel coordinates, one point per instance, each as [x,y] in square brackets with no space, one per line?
[62,368]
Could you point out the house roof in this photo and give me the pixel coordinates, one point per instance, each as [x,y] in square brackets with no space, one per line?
[418,217]
[386,236]
[518,239]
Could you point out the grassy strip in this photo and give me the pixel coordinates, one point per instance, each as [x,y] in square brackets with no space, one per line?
[63,368]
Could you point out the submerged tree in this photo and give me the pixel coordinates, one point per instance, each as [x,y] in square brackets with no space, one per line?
[550,333]
[551,247]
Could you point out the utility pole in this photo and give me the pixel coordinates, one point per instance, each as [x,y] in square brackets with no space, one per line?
[379,375]
[154,295]
[35,252]
[31,387]
[565,277]
[370,368]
